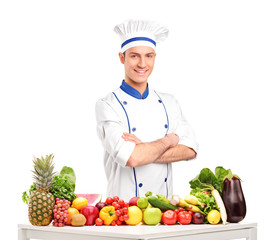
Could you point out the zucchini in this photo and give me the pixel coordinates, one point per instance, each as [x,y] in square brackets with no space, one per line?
[163,206]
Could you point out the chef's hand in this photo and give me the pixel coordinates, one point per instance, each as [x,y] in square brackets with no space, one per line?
[131,138]
[173,139]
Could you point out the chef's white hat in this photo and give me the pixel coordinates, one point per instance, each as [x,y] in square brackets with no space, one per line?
[140,33]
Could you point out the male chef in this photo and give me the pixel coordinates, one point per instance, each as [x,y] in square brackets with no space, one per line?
[142,130]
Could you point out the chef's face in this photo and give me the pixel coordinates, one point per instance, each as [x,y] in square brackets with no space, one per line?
[138,62]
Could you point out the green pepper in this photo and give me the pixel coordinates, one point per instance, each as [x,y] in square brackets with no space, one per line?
[163,198]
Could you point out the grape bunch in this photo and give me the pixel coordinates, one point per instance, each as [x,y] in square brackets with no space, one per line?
[60,212]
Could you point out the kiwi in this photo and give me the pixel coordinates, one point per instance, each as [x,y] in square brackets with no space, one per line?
[78,220]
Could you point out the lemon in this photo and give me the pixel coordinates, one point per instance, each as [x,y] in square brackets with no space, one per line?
[79,203]
[135,215]
[213,217]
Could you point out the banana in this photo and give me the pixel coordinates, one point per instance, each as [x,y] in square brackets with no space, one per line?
[183,203]
[193,208]
[188,207]
[193,201]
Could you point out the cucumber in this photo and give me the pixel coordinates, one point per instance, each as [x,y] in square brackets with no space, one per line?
[163,206]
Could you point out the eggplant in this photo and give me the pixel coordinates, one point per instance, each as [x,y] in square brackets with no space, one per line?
[234,200]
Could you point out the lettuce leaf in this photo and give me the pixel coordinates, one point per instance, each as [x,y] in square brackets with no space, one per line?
[207,180]
[62,188]
[68,171]
[64,184]
[205,198]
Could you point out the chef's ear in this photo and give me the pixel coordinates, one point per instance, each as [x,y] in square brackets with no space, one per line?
[122,57]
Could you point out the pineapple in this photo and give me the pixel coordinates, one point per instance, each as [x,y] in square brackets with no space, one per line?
[41,201]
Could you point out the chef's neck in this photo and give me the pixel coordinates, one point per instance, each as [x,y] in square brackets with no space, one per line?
[140,87]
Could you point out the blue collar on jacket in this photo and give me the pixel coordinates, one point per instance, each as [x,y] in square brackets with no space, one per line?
[133,92]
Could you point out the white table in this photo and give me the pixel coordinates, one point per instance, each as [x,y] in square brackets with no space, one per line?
[173,232]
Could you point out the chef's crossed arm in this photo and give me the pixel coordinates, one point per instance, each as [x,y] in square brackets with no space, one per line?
[164,150]
[129,151]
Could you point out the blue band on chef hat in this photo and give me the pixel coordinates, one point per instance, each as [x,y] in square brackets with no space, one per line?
[138,39]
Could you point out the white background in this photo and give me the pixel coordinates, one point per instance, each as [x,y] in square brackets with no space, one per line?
[57,58]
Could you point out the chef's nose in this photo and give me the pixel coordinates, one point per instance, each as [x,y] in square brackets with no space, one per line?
[142,62]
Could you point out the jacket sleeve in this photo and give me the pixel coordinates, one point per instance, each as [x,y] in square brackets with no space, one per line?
[182,128]
[109,130]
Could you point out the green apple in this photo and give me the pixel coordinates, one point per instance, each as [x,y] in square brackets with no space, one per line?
[152,216]
[142,203]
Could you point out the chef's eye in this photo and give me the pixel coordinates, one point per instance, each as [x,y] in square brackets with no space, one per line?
[133,56]
[150,56]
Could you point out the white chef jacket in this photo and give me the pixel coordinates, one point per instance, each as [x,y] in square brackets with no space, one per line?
[150,117]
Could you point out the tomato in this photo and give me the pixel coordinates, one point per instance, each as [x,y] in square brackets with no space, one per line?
[169,217]
[126,217]
[115,199]
[119,222]
[118,212]
[121,203]
[116,205]
[206,193]
[99,222]
[184,217]
[125,210]
[109,201]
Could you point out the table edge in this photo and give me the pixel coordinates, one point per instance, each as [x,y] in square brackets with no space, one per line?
[86,231]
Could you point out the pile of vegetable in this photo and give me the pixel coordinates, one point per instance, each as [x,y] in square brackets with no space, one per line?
[216,197]
[226,190]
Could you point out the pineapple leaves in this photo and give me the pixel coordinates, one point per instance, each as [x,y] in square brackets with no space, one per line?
[43,172]
[46,180]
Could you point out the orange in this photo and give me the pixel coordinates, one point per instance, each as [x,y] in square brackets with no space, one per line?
[71,211]
[79,203]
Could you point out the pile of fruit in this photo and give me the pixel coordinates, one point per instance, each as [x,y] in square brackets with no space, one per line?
[51,198]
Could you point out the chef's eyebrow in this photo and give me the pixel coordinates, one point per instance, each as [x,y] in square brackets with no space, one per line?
[140,54]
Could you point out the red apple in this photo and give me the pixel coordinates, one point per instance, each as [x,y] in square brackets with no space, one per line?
[91,213]
[133,201]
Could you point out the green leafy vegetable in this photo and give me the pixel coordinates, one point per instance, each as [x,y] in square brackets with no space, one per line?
[220,174]
[63,187]
[207,180]
[68,171]
[26,195]
[205,198]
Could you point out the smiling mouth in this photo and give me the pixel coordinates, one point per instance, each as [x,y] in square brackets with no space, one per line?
[140,72]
